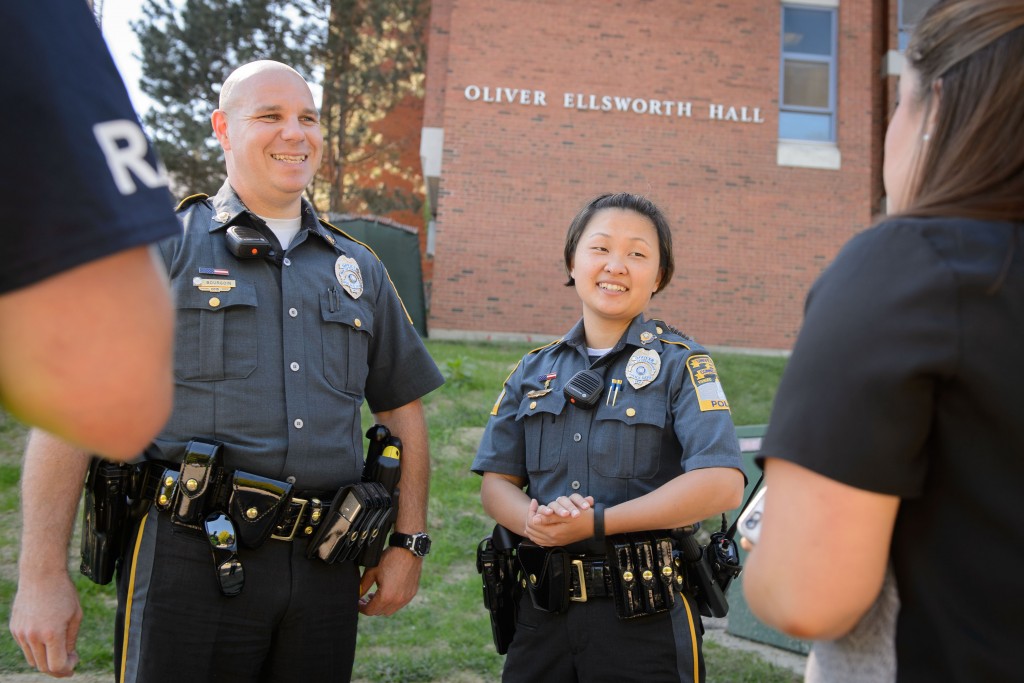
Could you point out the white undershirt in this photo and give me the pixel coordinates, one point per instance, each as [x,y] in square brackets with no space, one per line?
[284,228]
[597,353]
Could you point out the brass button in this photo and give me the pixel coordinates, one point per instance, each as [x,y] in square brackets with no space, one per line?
[666,570]
[162,500]
[314,516]
[679,579]
[659,330]
[308,530]
[168,481]
[533,404]
[358,322]
[627,576]
[648,575]
[630,412]
[252,513]
[214,302]
[533,579]
[191,484]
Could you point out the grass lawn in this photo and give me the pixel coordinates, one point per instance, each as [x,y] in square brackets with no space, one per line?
[444,634]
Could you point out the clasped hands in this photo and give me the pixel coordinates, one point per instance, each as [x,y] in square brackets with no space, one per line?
[565,520]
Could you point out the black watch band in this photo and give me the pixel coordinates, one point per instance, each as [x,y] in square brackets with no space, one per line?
[418,544]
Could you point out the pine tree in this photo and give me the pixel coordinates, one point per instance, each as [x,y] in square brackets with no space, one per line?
[367,54]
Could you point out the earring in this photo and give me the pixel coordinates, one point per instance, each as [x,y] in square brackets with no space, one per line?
[926,137]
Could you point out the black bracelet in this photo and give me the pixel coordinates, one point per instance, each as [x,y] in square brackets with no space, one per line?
[599,522]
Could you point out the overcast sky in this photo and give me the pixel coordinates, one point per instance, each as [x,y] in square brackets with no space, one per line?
[124,46]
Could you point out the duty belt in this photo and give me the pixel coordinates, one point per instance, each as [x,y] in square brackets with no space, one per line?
[299,517]
[590,577]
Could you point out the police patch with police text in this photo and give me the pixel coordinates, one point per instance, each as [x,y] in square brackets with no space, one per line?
[704,376]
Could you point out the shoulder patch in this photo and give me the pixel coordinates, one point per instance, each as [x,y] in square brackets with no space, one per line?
[704,377]
[190,200]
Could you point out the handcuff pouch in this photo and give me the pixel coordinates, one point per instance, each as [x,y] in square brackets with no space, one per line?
[255,506]
[546,571]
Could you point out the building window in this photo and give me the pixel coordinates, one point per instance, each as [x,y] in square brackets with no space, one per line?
[807,109]
[911,12]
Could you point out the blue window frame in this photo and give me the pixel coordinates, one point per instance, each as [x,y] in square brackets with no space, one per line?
[807,102]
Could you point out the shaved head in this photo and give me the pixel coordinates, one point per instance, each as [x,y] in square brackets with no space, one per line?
[246,71]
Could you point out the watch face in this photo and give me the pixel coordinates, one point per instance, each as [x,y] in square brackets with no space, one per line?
[421,544]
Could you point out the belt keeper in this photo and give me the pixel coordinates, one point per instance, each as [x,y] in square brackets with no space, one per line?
[599,522]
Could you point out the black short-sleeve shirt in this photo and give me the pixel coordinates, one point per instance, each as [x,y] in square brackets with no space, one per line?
[79,180]
[906,380]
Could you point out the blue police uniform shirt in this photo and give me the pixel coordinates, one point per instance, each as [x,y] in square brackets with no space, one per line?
[79,179]
[274,359]
[634,439]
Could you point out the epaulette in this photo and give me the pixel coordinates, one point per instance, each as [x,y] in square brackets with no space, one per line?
[664,325]
[347,236]
[530,353]
[548,345]
[190,200]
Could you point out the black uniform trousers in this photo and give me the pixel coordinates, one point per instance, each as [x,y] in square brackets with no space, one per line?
[589,643]
[294,620]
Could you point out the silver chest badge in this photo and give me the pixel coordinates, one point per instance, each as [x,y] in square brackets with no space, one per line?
[347,271]
[643,368]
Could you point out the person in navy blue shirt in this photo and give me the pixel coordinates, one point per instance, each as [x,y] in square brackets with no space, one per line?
[85,313]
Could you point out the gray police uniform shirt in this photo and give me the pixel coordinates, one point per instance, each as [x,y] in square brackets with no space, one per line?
[275,359]
[634,439]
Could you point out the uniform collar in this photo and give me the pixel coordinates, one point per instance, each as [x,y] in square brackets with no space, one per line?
[640,334]
[227,208]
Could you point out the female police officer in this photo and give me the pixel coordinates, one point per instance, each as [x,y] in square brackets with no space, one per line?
[655,451]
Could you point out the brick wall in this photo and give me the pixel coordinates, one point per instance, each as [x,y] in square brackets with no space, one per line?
[750,236]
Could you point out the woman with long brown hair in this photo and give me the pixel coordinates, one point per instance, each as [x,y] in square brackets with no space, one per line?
[897,433]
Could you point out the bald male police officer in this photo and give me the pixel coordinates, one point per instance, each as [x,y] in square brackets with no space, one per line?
[285,326]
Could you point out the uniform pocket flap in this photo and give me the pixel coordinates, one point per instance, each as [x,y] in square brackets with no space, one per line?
[338,307]
[214,294]
[552,403]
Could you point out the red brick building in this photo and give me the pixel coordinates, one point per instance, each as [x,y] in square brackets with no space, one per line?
[756,125]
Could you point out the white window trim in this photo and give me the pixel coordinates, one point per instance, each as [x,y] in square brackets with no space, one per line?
[431,151]
[893,65]
[809,154]
[831,4]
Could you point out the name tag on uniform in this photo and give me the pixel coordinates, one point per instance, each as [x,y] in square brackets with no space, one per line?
[213,284]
